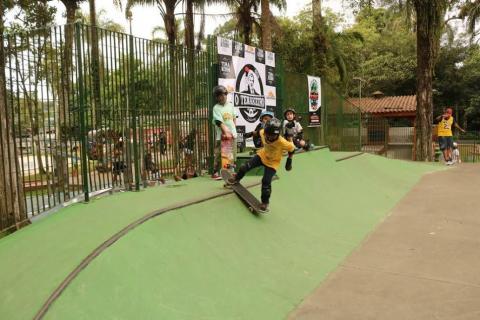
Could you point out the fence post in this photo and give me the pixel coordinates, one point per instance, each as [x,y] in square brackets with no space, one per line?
[81,102]
[359,131]
[386,136]
[341,126]
[211,83]
[133,111]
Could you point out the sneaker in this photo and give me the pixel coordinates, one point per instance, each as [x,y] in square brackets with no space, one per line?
[216,176]
[449,163]
[231,181]
[264,208]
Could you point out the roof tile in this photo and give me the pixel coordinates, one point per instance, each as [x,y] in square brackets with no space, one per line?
[394,104]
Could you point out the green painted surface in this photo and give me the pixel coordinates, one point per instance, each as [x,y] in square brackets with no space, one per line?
[34,260]
[209,261]
[215,260]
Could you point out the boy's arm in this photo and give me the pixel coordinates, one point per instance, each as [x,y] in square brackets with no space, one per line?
[253,133]
[291,151]
[458,127]
[218,121]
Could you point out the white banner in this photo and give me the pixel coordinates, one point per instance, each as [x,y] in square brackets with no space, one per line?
[314,94]
[248,73]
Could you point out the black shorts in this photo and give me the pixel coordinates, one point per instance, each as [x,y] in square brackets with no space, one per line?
[445,143]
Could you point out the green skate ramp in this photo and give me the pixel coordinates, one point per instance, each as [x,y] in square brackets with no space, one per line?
[215,260]
[208,261]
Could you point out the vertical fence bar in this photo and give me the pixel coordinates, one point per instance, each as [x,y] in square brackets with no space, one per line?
[211,83]
[81,102]
[133,111]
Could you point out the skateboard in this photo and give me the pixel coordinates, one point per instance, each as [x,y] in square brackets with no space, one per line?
[226,150]
[249,199]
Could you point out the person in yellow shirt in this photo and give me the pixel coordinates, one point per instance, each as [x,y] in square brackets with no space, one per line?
[445,135]
[269,157]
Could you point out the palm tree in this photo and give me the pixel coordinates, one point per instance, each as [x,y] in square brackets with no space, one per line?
[167,12]
[189,26]
[64,89]
[319,40]
[95,64]
[160,30]
[471,12]
[246,20]
[266,25]
[201,31]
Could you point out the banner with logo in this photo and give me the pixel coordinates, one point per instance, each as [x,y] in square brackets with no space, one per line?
[248,73]
[314,101]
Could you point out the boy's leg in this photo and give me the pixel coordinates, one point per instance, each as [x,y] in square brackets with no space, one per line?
[254,162]
[267,184]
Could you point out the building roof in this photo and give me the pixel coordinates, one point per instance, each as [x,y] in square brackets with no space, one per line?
[386,105]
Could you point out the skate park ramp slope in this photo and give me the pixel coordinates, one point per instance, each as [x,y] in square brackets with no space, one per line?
[211,260]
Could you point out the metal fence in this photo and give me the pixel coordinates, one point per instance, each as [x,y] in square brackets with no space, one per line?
[468,145]
[91,109]
[390,137]
[117,111]
[340,119]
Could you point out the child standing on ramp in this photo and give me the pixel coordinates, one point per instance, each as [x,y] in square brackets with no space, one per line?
[224,119]
[269,157]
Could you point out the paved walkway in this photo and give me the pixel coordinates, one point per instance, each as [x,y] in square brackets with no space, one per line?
[422,262]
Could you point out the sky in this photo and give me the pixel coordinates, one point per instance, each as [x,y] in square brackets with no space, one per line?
[146,18]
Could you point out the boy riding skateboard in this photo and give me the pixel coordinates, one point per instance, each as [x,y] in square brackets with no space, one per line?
[269,156]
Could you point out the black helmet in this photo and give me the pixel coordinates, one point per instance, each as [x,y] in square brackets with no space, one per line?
[218,90]
[289,110]
[273,126]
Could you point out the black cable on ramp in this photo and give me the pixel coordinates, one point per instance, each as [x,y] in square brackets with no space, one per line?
[86,261]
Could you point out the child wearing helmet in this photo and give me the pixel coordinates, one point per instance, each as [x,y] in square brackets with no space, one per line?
[269,157]
[265,116]
[292,129]
[224,119]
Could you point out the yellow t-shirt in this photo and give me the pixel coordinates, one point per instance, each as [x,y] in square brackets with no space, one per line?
[445,127]
[272,152]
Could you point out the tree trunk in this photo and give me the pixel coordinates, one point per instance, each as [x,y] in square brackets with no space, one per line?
[245,21]
[319,40]
[430,16]
[63,123]
[266,26]
[29,102]
[170,28]
[12,206]
[201,32]
[96,107]
[189,27]
[169,21]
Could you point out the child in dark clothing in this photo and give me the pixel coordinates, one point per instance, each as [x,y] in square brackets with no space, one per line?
[265,116]
[293,131]
[269,156]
